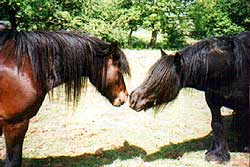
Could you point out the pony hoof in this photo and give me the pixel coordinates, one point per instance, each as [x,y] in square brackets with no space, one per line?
[217,157]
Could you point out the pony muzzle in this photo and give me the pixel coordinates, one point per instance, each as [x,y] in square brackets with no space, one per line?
[121,99]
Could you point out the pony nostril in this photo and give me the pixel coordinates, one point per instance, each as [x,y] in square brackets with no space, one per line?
[132,103]
[121,101]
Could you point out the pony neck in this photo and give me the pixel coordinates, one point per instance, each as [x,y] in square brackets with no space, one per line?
[194,72]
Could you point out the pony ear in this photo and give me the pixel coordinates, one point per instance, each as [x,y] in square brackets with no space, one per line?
[113,51]
[177,61]
[163,53]
[113,46]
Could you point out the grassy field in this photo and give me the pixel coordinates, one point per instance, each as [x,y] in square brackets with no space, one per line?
[97,134]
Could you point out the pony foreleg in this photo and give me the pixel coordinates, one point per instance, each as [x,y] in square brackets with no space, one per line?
[14,136]
[219,150]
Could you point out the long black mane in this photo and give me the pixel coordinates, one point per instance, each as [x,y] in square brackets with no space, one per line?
[197,56]
[62,57]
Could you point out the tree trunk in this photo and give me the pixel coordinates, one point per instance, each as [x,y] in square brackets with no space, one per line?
[130,37]
[153,38]
[12,18]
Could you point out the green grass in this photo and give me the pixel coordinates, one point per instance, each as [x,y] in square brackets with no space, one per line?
[96,134]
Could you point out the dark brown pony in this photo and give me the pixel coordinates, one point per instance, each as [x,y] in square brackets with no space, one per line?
[218,66]
[33,63]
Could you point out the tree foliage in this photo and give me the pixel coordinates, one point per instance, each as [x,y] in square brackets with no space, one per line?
[213,18]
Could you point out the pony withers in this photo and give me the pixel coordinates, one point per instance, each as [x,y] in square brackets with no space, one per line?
[218,66]
[33,63]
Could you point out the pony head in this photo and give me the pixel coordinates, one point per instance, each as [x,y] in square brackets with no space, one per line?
[161,85]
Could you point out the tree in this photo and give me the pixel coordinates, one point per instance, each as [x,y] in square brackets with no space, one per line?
[211,19]
[130,17]
[237,10]
[9,12]
[47,14]
[165,17]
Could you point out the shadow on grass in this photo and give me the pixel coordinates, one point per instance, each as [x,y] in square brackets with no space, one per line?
[100,157]
[174,151]
[125,152]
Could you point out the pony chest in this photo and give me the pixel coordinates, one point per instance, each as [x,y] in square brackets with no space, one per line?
[16,92]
